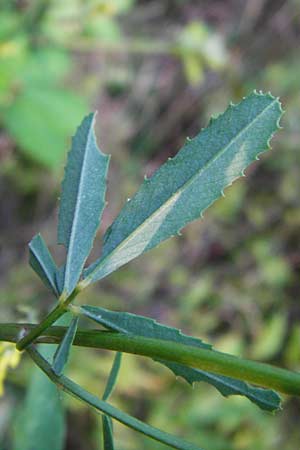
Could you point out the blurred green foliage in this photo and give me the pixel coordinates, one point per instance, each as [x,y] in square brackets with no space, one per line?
[38,113]
[234,278]
[201,48]
[40,422]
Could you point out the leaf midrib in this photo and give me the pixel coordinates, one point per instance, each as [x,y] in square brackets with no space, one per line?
[178,191]
[78,204]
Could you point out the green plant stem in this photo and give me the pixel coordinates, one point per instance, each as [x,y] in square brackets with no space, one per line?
[76,391]
[52,317]
[34,332]
[262,374]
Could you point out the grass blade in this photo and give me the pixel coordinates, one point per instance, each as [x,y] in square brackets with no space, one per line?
[82,200]
[62,353]
[182,189]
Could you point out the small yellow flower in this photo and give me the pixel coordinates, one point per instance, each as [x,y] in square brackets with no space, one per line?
[9,358]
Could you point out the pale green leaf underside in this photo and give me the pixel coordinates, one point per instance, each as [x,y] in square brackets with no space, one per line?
[42,262]
[143,326]
[62,353]
[186,185]
[82,200]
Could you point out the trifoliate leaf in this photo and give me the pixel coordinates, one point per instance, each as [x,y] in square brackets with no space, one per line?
[143,326]
[186,185]
[82,200]
[42,263]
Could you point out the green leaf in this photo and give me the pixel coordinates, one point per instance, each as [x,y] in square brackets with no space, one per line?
[41,119]
[62,353]
[56,64]
[112,376]
[186,185]
[108,439]
[142,326]
[128,323]
[60,276]
[40,425]
[266,399]
[107,425]
[42,263]
[82,200]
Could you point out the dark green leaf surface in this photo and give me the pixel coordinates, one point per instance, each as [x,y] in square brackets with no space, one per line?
[41,422]
[42,262]
[142,326]
[112,376]
[63,350]
[107,429]
[82,200]
[186,185]
[139,326]
[60,277]
[266,399]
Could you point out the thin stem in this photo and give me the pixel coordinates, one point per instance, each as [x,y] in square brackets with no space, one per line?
[37,330]
[52,317]
[262,374]
[76,391]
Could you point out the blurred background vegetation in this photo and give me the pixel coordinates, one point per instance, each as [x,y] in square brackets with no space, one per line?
[156,71]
